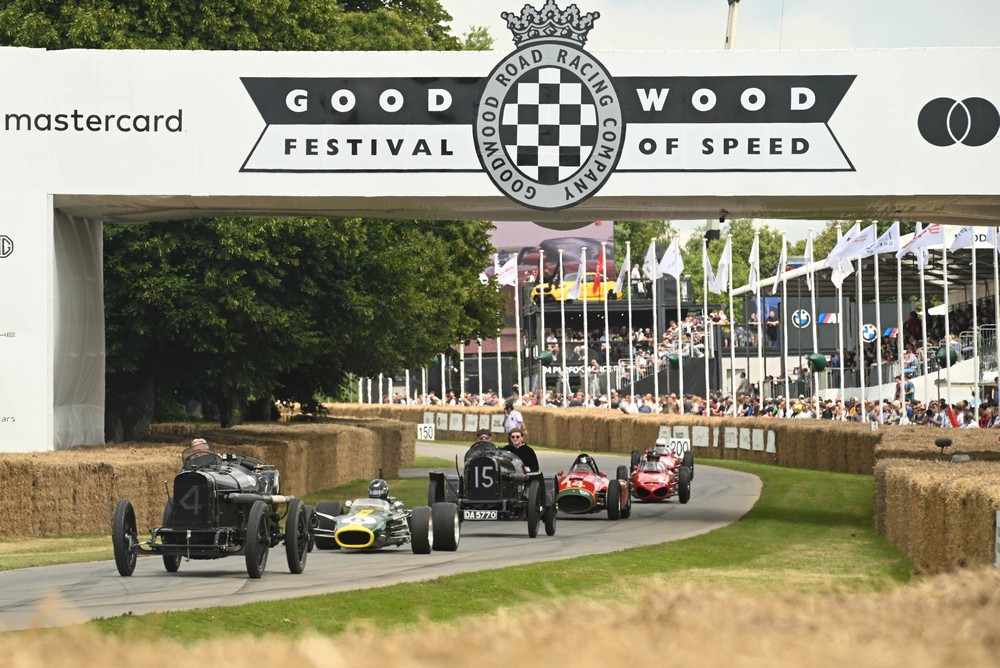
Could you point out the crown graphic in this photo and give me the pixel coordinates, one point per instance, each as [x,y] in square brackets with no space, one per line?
[550,22]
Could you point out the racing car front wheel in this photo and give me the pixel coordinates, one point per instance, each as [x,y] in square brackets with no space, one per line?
[124,536]
[172,562]
[258,541]
[534,507]
[325,527]
[447,528]
[688,461]
[636,455]
[296,536]
[684,484]
[614,500]
[549,516]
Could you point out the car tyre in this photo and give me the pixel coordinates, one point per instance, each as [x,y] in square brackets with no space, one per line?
[684,484]
[534,513]
[622,473]
[172,562]
[636,456]
[688,461]
[296,536]
[333,508]
[447,527]
[124,537]
[310,520]
[421,530]
[549,516]
[613,500]
[433,493]
[258,542]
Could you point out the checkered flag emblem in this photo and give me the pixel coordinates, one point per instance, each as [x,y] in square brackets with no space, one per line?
[548,125]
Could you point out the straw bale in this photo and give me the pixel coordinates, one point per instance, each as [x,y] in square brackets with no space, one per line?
[940,514]
[914,442]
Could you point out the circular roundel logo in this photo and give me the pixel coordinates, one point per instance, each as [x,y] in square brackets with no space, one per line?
[869,332]
[548,126]
[801,318]
[945,122]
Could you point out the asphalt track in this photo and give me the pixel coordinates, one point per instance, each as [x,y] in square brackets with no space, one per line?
[60,595]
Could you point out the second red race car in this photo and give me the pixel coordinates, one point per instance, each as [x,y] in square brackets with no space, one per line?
[662,473]
[586,489]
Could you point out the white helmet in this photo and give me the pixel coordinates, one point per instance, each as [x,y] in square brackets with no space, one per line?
[660,443]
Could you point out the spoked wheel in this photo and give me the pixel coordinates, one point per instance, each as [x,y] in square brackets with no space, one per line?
[124,537]
[296,536]
[534,507]
[172,562]
[447,528]
[421,530]
[258,541]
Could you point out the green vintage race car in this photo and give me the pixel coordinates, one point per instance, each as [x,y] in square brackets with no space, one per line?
[381,521]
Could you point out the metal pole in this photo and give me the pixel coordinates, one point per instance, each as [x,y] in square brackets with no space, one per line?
[631,343]
[542,343]
[479,342]
[656,341]
[878,342]
[784,324]
[732,337]
[975,332]
[900,335]
[562,314]
[461,371]
[761,360]
[996,308]
[815,324]
[517,324]
[379,393]
[734,10]
[704,315]
[680,343]
[361,391]
[947,320]
[443,381]
[581,282]
[861,342]
[496,274]
[923,325]
[407,386]
[607,324]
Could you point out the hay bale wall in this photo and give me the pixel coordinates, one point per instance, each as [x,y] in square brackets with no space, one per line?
[75,491]
[940,514]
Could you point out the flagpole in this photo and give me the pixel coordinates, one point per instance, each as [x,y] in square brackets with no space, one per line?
[900,334]
[996,307]
[784,320]
[442,378]
[542,343]
[361,391]
[631,342]
[479,343]
[496,274]
[761,361]
[517,323]
[581,281]
[562,315]
[461,371]
[975,332]
[878,342]
[732,336]
[947,320]
[861,340]
[607,324]
[704,314]
[923,324]
[423,386]
[680,342]
[378,394]
[656,339]
[815,324]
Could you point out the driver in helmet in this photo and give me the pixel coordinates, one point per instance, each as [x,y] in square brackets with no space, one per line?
[378,489]
[661,447]
[199,453]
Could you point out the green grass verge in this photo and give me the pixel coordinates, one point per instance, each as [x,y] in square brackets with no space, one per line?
[810,531]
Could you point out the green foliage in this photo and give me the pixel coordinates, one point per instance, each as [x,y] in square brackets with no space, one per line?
[742,231]
[640,233]
[478,38]
[303,25]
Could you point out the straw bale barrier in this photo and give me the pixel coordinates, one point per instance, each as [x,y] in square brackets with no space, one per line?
[75,491]
[826,446]
[939,513]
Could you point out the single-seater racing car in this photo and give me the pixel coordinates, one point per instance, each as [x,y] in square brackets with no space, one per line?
[494,485]
[381,521]
[584,488]
[221,506]
[660,475]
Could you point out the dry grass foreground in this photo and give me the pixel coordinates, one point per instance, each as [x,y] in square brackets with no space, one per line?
[947,620]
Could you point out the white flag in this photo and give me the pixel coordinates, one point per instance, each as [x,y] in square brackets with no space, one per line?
[964,239]
[931,235]
[672,263]
[840,250]
[622,277]
[650,267]
[841,270]
[577,288]
[722,275]
[754,264]
[809,261]
[706,266]
[887,243]
[860,242]
[508,272]
[782,263]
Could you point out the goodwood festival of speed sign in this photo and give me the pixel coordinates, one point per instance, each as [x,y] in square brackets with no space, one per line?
[548,124]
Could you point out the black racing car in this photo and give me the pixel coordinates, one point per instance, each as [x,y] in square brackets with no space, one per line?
[493,485]
[221,506]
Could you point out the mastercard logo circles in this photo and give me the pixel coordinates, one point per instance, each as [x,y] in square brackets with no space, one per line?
[946,122]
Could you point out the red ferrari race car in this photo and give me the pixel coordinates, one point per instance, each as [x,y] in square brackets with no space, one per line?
[586,489]
[662,473]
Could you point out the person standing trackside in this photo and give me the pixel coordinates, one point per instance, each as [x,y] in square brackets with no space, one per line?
[512,419]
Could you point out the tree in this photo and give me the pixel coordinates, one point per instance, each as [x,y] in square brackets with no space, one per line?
[478,38]
[640,233]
